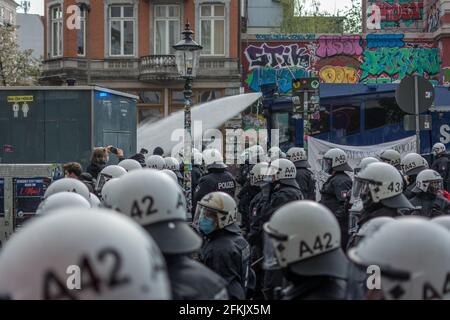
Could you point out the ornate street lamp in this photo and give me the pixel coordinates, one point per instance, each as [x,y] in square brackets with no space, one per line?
[187,58]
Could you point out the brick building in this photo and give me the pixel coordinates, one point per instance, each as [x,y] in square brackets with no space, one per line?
[127,45]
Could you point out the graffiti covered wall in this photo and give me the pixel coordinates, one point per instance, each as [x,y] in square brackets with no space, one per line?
[395,14]
[378,58]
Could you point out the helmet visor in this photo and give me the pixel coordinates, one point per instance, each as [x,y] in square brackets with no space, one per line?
[435,186]
[273,249]
[327,164]
[202,211]
[362,189]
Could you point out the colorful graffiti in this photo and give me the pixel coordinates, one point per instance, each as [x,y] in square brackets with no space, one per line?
[341,59]
[336,74]
[397,13]
[283,77]
[337,45]
[399,62]
[384,40]
[277,57]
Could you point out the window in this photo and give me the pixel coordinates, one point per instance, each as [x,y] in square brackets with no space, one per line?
[280,121]
[56,31]
[345,118]
[212,29]
[382,112]
[167,28]
[148,115]
[150,97]
[2,14]
[121,26]
[207,95]
[81,34]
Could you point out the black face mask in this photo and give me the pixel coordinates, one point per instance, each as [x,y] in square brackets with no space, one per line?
[101,162]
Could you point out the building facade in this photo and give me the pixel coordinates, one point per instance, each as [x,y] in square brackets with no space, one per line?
[127,45]
[408,37]
[8,12]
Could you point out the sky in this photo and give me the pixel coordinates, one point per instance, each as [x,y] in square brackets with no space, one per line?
[37,6]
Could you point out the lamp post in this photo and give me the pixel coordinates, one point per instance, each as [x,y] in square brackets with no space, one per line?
[187,58]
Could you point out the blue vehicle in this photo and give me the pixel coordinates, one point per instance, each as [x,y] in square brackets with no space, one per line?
[356,114]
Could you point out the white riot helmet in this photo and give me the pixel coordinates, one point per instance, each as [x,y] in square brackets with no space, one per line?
[413,257]
[428,181]
[172,164]
[298,157]
[198,158]
[412,164]
[156,162]
[392,157]
[108,192]
[260,174]
[425,163]
[121,261]
[68,185]
[373,225]
[335,160]
[443,221]
[108,173]
[171,174]
[130,165]
[213,159]
[95,201]
[62,200]
[438,148]
[220,209]
[306,238]
[364,163]
[157,203]
[285,172]
[381,182]
[276,153]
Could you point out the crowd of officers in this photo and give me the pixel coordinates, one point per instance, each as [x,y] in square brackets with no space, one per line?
[271,232]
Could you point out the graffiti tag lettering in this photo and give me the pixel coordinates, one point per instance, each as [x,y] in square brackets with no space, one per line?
[400,62]
[277,57]
[385,40]
[283,77]
[334,74]
[334,45]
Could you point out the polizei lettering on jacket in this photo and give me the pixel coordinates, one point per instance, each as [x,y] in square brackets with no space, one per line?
[225,185]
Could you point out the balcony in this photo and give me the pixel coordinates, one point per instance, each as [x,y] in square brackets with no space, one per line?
[163,67]
[158,67]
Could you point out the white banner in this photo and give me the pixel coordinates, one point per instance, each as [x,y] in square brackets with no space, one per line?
[317,148]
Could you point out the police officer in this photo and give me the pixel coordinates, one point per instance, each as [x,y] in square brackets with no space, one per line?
[117,259]
[305,237]
[380,188]
[441,164]
[305,177]
[354,203]
[391,157]
[412,164]
[428,200]
[156,202]
[357,277]
[337,187]
[225,251]
[216,179]
[413,257]
[282,190]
